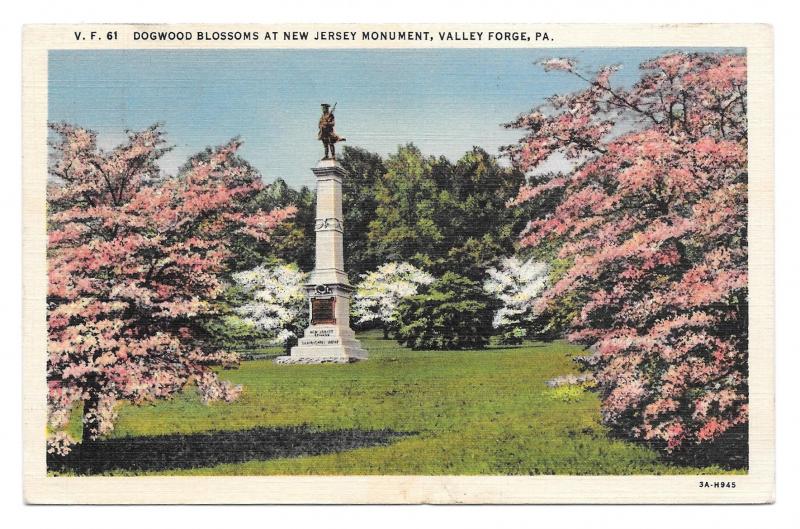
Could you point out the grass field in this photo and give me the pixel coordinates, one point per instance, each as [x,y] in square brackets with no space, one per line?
[466,412]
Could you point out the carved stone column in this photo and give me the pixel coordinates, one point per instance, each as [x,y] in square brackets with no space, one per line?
[329,337]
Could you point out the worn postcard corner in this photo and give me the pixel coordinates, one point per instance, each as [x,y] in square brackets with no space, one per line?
[524,263]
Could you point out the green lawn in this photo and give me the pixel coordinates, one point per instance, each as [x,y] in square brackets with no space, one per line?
[473,412]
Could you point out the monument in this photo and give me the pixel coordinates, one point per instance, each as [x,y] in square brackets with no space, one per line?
[329,337]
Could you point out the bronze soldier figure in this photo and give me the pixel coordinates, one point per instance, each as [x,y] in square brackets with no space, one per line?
[326,133]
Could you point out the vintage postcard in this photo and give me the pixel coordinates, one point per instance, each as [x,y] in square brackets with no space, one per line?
[398,264]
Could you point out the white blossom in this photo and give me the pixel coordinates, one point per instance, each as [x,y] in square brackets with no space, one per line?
[277,303]
[379,292]
[516,284]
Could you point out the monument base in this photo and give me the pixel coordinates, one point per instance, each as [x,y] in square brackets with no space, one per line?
[302,360]
[325,344]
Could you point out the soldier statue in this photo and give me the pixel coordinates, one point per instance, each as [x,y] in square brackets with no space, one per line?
[326,134]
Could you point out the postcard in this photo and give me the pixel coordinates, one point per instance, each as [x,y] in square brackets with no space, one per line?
[398,263]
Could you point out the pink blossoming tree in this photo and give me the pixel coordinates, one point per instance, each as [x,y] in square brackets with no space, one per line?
[134,262]
[650,229]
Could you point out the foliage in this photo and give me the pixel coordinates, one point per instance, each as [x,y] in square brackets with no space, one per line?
[247,252]
[134,262]
[226,330]
[451,313]
[653,226]
[276,301]
[435,214]
[293,240]
[443,216]
[364,170]
[379,293]
[566,393]
[516,284]
[468,413]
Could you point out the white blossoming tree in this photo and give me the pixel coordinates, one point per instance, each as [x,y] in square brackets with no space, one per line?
[516,284]
[380,291]
[276,302]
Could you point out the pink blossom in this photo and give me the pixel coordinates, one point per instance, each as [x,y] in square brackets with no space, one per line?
[131,258]
[558,64]
[652,225]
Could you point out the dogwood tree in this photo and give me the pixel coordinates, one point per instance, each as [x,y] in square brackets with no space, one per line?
[379,293]
[276,303]
[516,284]
[134,261]
[652,224]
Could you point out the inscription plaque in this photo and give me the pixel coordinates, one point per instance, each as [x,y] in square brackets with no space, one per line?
[322,310]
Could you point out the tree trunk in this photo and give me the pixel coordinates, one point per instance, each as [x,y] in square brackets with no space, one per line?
[89,419]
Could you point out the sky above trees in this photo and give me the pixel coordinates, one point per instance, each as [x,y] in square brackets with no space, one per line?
[444,100]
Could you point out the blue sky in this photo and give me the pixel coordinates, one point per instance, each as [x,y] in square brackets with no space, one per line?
[443,100]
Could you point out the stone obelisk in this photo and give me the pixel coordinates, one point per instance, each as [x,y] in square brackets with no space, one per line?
[329,337]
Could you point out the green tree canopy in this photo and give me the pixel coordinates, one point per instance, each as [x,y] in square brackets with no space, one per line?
[445,216]
[453,312]
[359,203]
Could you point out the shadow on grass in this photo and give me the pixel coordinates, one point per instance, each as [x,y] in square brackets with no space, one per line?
[177,451]
[730,451]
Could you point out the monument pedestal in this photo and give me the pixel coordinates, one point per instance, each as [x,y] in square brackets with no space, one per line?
[329,338]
